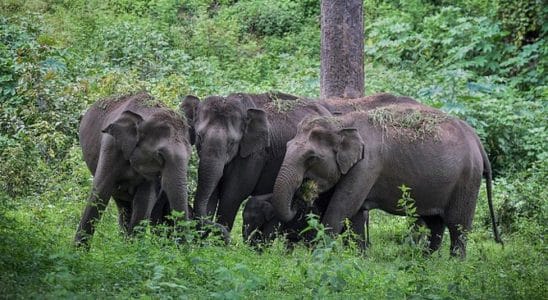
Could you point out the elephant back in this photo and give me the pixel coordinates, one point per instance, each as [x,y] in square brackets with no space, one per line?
[344,106]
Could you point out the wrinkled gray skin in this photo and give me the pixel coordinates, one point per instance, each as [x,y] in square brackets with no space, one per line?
[261,224]
[134,150]
[241,140]
[259,221]
[364,166]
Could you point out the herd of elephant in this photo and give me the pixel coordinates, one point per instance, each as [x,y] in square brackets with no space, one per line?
[265,147]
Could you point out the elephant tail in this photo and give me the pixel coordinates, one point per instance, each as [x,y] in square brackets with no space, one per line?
[487,172]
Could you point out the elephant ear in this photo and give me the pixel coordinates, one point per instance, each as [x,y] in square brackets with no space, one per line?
[268,211]
[266,207]
[189,106]
[125,131]
[255,137]
[350,149]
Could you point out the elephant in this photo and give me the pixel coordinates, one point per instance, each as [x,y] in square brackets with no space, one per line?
[241,140]
[259,221]
[364,156]
[261,225]
[137,150]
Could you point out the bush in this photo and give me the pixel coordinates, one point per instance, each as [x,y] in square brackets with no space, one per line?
[523,19]
[523,198]
[265,18]
[38,125]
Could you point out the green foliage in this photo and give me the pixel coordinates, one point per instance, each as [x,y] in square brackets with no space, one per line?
[521,198]
[449,38]
[34,122]
[523,19]
[406,203]
[483,61]
[264,18]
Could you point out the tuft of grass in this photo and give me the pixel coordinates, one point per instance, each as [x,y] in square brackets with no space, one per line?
[308,191]
[407,123]
[283,105]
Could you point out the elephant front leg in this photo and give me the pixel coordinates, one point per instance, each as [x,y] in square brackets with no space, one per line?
[124,213]
[143,203]
[238,183]
[92,213]
[348,198]
[103,186]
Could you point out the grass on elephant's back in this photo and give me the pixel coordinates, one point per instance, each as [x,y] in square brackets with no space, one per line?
[412,124]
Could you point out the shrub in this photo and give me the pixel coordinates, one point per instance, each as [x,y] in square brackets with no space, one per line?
[37,123]
[264,18]
[523,19]
[522,198]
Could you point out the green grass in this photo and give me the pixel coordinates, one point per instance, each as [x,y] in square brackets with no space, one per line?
[38,260]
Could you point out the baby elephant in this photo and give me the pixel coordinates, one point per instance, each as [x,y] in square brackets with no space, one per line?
[136,150]
[260,224]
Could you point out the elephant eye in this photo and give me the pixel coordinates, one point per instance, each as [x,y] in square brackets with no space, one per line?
[312,160]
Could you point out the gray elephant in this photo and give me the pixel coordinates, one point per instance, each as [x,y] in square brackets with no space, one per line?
[259,222]
[241,140]
[363,157]
[136,150]
[261,225]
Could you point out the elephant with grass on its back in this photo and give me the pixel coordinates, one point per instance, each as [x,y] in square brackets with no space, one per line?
[136,149]
[364,156]
[259,220]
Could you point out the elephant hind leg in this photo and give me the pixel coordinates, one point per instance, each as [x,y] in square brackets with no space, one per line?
[458,218]
[458,240]
[437,228]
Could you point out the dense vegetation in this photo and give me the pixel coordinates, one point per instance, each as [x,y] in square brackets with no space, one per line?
[483,61]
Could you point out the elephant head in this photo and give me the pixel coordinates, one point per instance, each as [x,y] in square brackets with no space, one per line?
[223,128]
[323,150]
[156,147]
[258,219]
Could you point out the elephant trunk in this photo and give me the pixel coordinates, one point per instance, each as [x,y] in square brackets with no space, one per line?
[288,181]
[210,171]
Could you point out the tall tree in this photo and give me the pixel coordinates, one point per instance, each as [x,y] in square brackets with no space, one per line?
[342,71]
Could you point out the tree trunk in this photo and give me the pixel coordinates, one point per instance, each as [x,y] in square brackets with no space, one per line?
[342,71]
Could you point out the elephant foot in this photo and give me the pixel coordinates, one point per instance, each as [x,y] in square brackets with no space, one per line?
[82,242]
